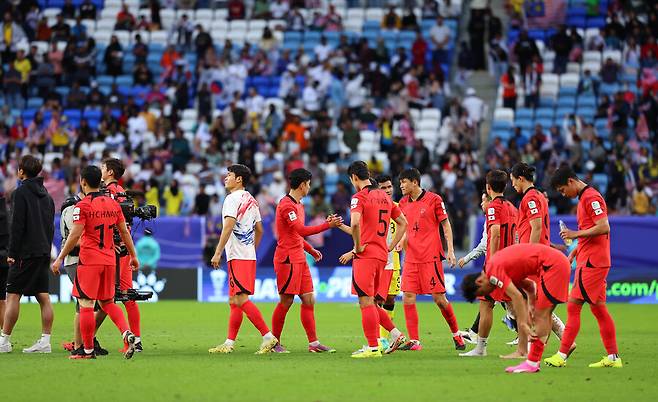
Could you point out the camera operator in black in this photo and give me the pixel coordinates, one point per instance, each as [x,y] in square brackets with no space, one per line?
[71,266]
[112,170]
[4,267]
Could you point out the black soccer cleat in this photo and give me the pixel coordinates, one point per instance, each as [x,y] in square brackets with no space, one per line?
[129,345]
[459,342]
[138,347]
[99,350]
[79,354]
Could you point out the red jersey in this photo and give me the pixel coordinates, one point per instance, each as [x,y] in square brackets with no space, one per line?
[522,261]
[290,227]
[424,215]
[99,215]
[533,205]
[501,212]
[377,210]
[114,188]
[593,252]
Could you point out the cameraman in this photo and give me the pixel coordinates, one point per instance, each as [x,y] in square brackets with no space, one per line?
[96,216]
[71,266]
[112,170]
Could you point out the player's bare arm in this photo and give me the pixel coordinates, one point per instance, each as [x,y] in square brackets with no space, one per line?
[227,229]
[601,227]
[258,234]
[128,241]
[573,254]
[316,254]
[535,230]
[401,221]
[356,232]
[529,287]
[345,229]
[447,232]
[521,311]
[494,236]
[71,241]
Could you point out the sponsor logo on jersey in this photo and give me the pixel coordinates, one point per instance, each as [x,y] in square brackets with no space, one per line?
[354,203]
[292,216]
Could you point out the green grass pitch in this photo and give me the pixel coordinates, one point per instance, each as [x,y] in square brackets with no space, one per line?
[177,367]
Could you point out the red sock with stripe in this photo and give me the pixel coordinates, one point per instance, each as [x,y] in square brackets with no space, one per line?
[370,322]
[307,316]
[279,319]
[571,328]
[133,316]
[256,318]
[385,319]
[536,351]
[606,328]
[411,317]
[87,327]
[451,319]
[117,317]
[234,322]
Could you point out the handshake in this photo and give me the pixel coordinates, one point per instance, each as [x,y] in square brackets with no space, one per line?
[334,220]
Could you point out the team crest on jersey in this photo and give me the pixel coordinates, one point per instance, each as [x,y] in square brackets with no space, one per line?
[76,214]
[532,204]
[596,206]
[422,211]
[354,203]
[292,215]
[491,211]
[496,282]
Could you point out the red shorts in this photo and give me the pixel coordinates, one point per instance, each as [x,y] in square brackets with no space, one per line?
[242,277]
[385,279]
[589,285]
[553,287]
[367,278]
[125,273]
[94,282]
[293,279]
[423,278]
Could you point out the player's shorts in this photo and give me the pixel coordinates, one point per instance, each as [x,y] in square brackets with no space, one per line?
[367,278]
[590,285]
[71,271]
[3,282]
[242,277]
[423,278]
[293,279]
[553,286]
[125,273]
[94,282]
[392,277]
[29,276]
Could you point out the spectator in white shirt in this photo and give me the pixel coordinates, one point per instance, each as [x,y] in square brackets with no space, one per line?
[474,105]
[440,36]
[354,93]
[279,9]
[254,102]
[322,50]
[311,98]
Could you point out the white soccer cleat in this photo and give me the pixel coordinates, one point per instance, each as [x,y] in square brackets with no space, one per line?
[39,347]
[469,336]
[513,343]
[474,353]
[5,347]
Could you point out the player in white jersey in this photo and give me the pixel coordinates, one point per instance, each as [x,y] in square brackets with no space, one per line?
[242,231]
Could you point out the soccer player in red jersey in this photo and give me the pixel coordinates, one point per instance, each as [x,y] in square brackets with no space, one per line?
[112,170]
[592,265]
[542,273]
[501,218]
[292,272]
[242,231]
[95,218]
[423,269]
[371,210]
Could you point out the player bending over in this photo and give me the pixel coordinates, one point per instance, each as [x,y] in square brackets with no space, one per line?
[592,266]
[293,276]
[423,269]
[371,210]
[543,274]
[242,231]
[96,216]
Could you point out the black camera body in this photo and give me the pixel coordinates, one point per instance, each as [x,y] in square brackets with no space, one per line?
[131,294]
[126,201]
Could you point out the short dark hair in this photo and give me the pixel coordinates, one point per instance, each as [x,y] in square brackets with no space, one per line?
[241,171]
[359,169]
[410,174]
[562,175]
[30,165]
[524,170]
[383,178]
[299,176]
[92,175]
[115,165]
[497,179]
[469,287]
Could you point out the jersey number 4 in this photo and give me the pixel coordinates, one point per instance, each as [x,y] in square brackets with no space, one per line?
[101,234]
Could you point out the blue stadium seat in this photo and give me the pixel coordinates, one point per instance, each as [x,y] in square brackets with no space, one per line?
[544,113]
[105,80]
[28,114]
[577,11]
[546,123]
[292,36]
[72,114]
[566,101]
[537,34]
[370,25]
[576,21]
[124,80]
[596,22]
[502,125]
[524,113]
[601,181]
[586,113]
[34,103]
[312,36]
[609,89]
[568,91]
[587,101]
[92,114]
[524,124]
[547,102]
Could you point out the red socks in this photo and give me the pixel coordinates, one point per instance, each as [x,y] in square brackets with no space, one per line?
[449,315]
[117,317]
[606,327]
[133,316]
[234,322]
[370,322]
[308,321]
[385,320]
[411,317]
[279,319]
[256,318]
[536,350]
[87,327]
[571,328]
